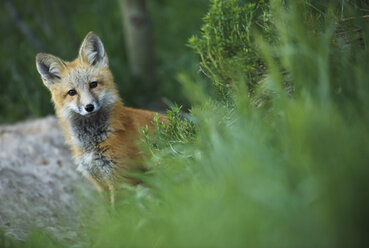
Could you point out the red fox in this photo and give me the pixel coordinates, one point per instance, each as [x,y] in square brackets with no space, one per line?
[100,130]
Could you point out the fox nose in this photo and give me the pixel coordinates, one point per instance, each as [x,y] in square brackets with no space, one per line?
[89,107]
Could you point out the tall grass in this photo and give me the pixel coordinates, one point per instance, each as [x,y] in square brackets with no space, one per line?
[286,166]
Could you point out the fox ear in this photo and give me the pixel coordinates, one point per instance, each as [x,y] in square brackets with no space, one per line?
[92,51]
[49,68]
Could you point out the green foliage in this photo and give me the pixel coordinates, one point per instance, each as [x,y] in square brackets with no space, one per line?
[226,45]
[169,136]
[34,240]
[290,174]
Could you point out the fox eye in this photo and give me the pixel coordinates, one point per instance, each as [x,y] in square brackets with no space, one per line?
[93,84]
[72,92]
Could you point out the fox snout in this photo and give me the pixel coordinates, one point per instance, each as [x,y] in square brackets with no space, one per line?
[89,107]
[83,102]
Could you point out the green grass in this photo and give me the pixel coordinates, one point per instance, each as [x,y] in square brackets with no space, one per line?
[285,166]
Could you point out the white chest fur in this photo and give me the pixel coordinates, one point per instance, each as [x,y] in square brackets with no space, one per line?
[95,164]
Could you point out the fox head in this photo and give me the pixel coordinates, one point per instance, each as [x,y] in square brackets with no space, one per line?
[82,86]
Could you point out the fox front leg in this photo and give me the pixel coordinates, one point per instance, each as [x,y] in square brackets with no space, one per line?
[112,195]
[96,184]
[101,191]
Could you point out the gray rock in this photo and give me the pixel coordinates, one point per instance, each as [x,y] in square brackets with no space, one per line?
[39,185]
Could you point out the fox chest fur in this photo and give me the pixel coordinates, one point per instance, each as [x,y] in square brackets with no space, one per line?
[104,145]
[87,135]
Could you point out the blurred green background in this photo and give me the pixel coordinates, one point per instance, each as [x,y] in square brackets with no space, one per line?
[59,26]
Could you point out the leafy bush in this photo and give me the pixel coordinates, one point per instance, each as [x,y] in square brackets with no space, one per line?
[289,174]
[226,45]
[176,129]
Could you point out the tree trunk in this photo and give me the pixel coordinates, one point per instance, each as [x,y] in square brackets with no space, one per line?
[139,41]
